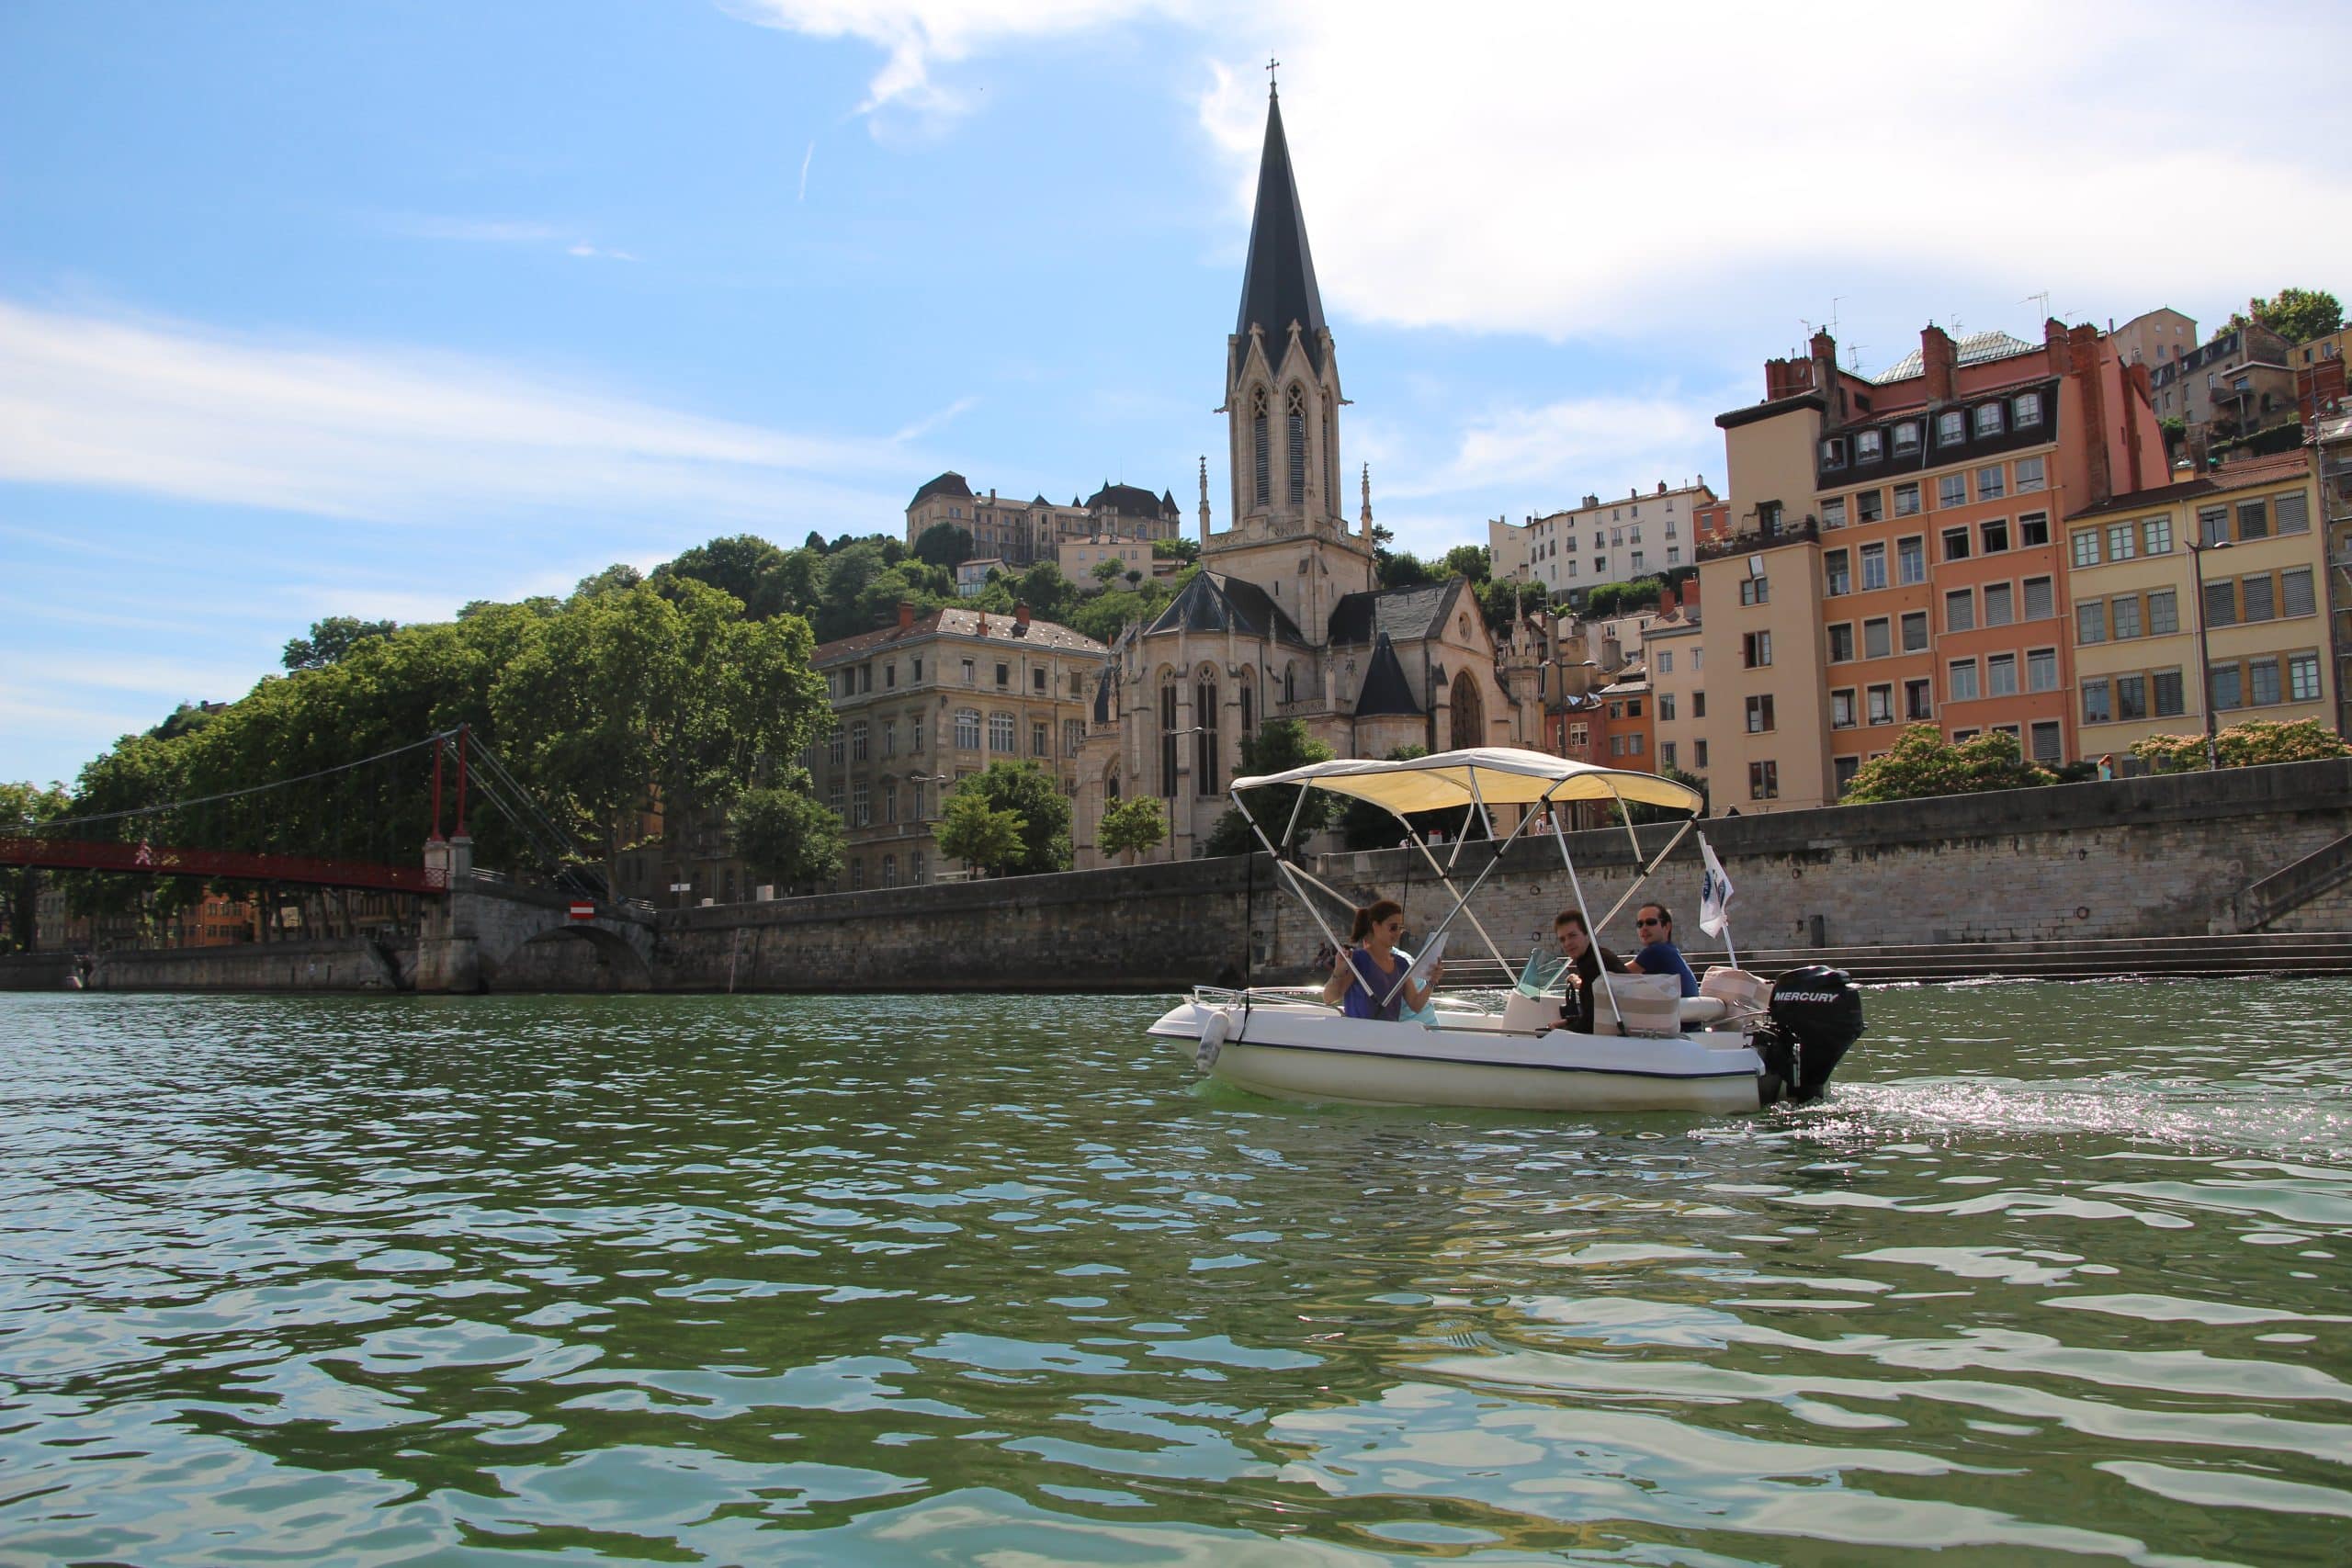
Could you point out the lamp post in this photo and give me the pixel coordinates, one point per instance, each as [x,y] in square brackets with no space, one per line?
[2204,657]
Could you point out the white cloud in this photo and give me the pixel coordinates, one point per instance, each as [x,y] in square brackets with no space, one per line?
[392,436]
[1573,170]
[471,231]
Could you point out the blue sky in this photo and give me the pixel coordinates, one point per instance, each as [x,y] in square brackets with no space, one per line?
[375,309]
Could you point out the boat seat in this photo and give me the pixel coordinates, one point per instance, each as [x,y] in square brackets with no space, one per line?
[1524,1014]
[1649,1005]
[1736,988]
[1703,1010]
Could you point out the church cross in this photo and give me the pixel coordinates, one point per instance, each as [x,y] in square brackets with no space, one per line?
[1271,63]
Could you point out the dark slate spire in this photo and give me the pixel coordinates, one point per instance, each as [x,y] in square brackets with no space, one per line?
[1278,287]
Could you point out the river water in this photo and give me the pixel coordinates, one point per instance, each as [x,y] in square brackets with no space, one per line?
[2057,1274]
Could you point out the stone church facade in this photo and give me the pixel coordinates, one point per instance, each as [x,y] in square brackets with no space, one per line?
[1285,619]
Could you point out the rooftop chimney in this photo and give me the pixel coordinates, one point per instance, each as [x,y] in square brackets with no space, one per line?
[906,614]
[1940,362]
[1021,620]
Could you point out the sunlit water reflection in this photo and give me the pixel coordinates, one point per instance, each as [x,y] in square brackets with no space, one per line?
[2055,1274]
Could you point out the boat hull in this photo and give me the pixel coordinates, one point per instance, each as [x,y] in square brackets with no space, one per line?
[1313,1053]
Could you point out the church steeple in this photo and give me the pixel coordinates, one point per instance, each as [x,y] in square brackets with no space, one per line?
[1278,285]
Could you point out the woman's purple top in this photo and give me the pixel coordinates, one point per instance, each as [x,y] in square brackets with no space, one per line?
[1363,1001]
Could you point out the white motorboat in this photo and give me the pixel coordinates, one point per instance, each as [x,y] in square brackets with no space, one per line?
[1742,1043]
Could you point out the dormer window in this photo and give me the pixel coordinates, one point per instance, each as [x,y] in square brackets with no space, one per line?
[2029,409]
[1951,427]
[1867,447]
[1833,453]
[1988,418]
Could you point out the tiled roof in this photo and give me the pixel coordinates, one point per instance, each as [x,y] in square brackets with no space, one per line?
[1974,349]
[2230,477]
[1408,615]
[948,483]
[1129,501]
[1386,688]
[994,625]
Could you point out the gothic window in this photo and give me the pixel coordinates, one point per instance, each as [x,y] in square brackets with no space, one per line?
[1295,427]
[1289,682]
[1167,741]
[1262,464]
[1205,737]
[1249,717]
[1330,462]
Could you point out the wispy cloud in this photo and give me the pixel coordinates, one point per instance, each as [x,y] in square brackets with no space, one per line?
[392,435]
[525,232]
[805,159]
[932,421]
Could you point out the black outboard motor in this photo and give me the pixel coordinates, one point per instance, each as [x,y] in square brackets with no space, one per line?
[1815,1014]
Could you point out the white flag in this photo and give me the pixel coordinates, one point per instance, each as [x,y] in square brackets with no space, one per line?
[1714,894]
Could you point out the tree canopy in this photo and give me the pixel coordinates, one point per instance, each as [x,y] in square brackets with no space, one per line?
[2250,744]
[987,838]
[1922,763]
[332,639]
[785,836]
[1131,826]
[1024,791]
[1279,745]
[2298,315]
[945,544]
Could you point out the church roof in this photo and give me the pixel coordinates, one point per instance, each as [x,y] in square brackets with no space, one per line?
[1408,615]
[1385,689]
[949,483]
[1213,602]
[1129,501]
[1278,285]
[1105,695]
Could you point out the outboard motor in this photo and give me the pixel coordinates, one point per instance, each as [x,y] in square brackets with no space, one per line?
[1815,1013]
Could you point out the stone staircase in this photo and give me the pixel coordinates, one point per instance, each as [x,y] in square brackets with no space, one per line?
[2293,886]
[2260,953]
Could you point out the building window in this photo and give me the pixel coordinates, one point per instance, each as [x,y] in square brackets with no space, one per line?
[1041,739]
[1204,756]
[1989,419]
[1665,753]
[833,797]
[1996,536]
[1952,428]
[857,876]
[1959,610]
[2049,744]
[1867,446]
[1699,755]
[2041,669]
[1833,453]
[2124,617]
[1906,437]
[1756,650]
[2086,547]
[914,802]
[1666,662]
[2033,529]
[1759,714]
[2090,622]
[2262,682]
[889,801]
[1991,483]
[968,729]
[1763,781]
[2164,687]
[1073,735]
[2213,525]
[2292,512]
[1998,604]
[2001,675]
[890,871]
[1962,681]
[861,805]
[1841,708]
[2029,411]
[889,737]
[1003,676]
[1918,699]
[1837,575]
[2096,706]
[1956,544]
[1877,638]
[2122,541]
[1752,590]
[1295,434]
[1841,642]
[968,672]
[2221,604]
[914,734]
[834,741]
[2303,677]
[1911,560]
[1263,459]
[1914,631]
[2131,696]
[1874,567]
[2041,599]
[857,742]
[1951,490]
[2228,692]
[1168,741]
[1907,499]
[1881,704]
[2295,593]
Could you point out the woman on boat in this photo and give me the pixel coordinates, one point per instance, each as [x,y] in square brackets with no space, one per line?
[1364,975]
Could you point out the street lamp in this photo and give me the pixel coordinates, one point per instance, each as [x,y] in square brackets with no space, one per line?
[2204,656]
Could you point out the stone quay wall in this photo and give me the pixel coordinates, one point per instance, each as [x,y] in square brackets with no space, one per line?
[2131,858]
[342,963]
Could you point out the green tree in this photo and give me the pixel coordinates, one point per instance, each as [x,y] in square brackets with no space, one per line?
[1471,562]
[24,807]
[1279,745]
[2251,744]
[1131,826]
[1922,763]
[784,835]
[1605,601]
[1024,790]
[945,544]
[332,639]
[982,836]
[1500,599]
[2298,315]
[1050,596]
[742,565]
[1643,815]
[618,578]
[1179,549]
[1400,568]
[1108,571]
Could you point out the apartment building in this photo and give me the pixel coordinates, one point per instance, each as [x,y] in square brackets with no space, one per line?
[1896,559]
[1675,658]
[1599,541]
[2239,383]
[2237,547]
[1022,533]
[931,700]
[2331,450]
[2154,337]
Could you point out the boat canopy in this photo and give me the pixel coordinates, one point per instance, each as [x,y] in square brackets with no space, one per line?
[1495,776]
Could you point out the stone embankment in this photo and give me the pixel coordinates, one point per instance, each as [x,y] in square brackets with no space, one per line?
[2155,876]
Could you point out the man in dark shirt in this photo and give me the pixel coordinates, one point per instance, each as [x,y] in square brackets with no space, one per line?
[1658,954]
[1587,959]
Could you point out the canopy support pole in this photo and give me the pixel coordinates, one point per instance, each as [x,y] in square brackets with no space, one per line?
[1283,868]
[1591,933]
[1462,900]
[1643,876]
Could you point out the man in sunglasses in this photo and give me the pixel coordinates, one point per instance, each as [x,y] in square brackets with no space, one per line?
[1658,954]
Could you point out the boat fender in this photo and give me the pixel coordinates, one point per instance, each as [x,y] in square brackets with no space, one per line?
[1215,1029]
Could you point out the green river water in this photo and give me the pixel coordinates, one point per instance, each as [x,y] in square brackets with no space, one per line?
[2056,1274]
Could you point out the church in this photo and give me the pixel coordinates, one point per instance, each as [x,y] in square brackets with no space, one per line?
[1285,619]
